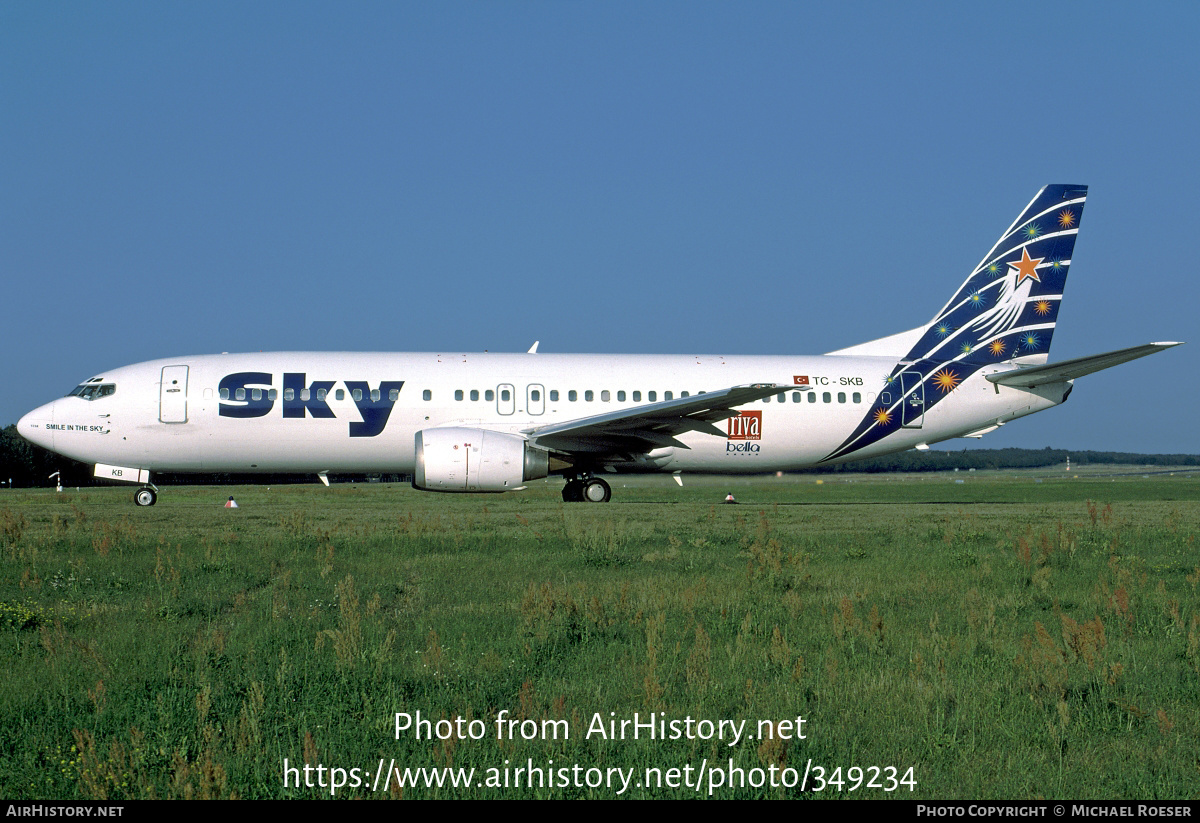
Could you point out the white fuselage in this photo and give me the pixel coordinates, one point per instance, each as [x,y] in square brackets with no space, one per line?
[186,425]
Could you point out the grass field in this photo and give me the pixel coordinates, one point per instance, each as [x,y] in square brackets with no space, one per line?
[984,635]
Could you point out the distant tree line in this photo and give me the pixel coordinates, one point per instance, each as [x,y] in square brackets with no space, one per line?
[27,465]
[964,459]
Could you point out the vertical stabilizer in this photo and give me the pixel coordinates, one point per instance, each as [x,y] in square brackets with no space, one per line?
[1005,311]
[1009,304]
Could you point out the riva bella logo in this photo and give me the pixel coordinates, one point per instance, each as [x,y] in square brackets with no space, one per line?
[744,428]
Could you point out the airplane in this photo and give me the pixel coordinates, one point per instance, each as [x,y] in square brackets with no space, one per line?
[494,422]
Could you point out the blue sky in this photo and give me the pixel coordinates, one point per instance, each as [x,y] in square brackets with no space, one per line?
[186,178]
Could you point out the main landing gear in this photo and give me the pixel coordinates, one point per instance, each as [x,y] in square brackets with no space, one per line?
[586,489]
[146,496]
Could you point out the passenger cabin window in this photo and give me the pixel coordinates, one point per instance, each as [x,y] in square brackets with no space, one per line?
[474,394]
[653,396]
[605,396]
[668,395]
[458,394]
[554,395]
[425,395]
[589,395]
[572,395]
[535,395]
[637,397]
[393,395]
[357,394]
[489,395]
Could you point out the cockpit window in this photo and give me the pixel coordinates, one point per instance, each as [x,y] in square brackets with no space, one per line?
[93,391]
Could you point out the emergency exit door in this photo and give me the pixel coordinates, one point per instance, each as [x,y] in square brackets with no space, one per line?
[912,408]
[172,395]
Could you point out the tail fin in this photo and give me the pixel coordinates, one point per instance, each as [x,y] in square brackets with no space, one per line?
[1008,306]
[1005,310]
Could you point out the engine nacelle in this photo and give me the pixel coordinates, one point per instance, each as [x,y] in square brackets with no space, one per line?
[475,460]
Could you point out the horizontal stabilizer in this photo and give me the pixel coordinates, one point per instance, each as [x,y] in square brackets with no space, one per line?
[1070,369]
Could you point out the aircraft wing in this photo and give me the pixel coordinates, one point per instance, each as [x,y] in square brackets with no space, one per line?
[643,428]
[1077,367]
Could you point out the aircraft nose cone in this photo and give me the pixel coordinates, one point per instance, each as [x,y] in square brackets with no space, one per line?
[36,426]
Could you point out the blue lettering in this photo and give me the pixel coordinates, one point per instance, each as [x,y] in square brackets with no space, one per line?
[245,406]
[375,410]
[237,399]
[295,406]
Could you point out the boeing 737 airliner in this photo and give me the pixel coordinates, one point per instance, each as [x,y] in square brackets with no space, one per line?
[492,422]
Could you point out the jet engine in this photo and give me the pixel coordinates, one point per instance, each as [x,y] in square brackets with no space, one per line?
[475,460]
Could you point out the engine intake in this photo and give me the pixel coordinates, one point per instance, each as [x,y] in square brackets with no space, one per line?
[475,460]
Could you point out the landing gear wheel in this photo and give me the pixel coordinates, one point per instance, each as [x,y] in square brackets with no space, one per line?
[572,492]
[596,491]
[145,496]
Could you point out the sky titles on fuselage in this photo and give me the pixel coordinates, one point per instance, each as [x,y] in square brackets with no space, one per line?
[252,397]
